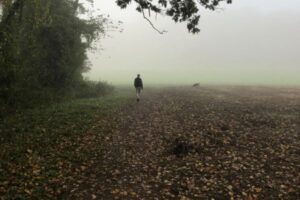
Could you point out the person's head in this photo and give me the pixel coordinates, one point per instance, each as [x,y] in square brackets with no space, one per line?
[138,75]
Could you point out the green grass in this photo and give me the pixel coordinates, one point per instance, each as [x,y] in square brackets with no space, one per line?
[29,140]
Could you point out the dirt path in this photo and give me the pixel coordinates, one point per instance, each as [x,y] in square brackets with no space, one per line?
[204,143]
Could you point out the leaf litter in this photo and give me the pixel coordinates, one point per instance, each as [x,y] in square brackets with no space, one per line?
[181,143]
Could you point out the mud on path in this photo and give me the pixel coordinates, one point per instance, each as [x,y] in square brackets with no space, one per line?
[200,143]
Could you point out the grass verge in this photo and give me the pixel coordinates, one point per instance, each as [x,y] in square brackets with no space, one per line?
[41,148]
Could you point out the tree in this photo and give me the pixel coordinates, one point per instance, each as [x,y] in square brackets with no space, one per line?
[43,47]
[178,10]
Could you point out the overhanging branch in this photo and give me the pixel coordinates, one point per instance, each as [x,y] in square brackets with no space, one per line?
[152,25]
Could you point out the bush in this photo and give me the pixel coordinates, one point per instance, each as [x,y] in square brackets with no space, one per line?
[26,98]
[91,89]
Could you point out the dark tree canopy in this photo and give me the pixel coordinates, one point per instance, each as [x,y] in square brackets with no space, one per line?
[178,10]
[43,47]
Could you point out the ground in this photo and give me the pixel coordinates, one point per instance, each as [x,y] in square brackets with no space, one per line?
[176,143]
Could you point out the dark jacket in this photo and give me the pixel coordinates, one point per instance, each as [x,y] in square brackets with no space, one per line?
[138,82]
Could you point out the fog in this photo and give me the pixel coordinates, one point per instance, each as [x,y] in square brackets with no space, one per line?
[248,43]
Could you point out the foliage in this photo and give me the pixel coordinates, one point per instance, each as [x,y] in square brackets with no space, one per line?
[91,89]
[178,10]
[43,46]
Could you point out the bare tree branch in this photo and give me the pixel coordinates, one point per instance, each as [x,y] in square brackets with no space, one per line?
[160,32]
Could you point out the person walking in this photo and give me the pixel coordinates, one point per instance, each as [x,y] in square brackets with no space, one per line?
[138,84]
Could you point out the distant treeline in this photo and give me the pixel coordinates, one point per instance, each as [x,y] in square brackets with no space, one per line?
[43,51]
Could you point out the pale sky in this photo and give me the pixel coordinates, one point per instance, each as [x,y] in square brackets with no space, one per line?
[249,42]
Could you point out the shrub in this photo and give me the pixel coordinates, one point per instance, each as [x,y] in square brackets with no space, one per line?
[91,89]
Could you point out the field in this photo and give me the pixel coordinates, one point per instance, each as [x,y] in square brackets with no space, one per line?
[176,143]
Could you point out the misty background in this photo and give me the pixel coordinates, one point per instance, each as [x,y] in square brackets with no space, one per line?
[250,42]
